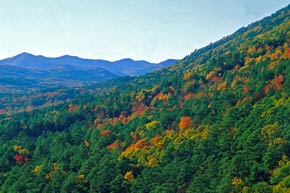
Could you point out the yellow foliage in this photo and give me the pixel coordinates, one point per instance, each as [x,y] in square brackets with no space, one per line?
[222,86]
[140,97]
[272,65]
[232,131]
[187,76]
[269,131]
[21,150]
[245,189]
[237,181]
[129,176]
[284,161]
[24,151]
[55,166]
[283,186]
[17,147]
[252,50]
[152,125]
[259,59]
[87,143]
[282,101]
[37,169]
[152,161]
[156,141]
[81,176]
[279,140]
[248,61]
[204,134]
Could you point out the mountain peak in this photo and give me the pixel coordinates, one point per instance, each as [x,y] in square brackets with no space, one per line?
[24,54]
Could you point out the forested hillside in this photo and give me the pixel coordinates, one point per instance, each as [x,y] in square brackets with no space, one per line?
[218,121]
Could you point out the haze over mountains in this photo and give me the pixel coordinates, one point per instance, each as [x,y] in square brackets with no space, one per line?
[27,69]
[217,121]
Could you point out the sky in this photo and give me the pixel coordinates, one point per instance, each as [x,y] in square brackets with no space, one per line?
[152,30]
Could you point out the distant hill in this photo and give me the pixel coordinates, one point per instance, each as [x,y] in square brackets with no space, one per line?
[72,70]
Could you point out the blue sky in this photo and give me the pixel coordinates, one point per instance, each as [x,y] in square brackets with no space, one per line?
[152,30]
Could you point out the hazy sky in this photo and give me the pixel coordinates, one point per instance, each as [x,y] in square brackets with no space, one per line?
[153,30]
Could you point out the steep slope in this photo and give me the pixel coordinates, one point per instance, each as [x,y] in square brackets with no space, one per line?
[218,121]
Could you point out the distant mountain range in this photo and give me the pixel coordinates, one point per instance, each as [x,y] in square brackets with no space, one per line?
[30,70]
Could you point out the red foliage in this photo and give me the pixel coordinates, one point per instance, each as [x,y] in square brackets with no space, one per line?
[19,159]
[134,137]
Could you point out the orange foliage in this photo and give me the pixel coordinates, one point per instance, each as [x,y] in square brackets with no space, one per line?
[138,109]
[273,56]
[246,90]
[114,145]
[246,99]
[105,132]
[260,49]
[156,140]
[235,80]
[133,148]
[210,75]
[286,54]
[277,82]
[252,50]
[123,118]
[185,122]
[113,121]
[216,79]
[100,125]
[172,89]
[189,96]
[237,67]
[73,108]
[187,76]
[162,96]
[141,143]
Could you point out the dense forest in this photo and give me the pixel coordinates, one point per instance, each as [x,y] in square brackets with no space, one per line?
[217,121]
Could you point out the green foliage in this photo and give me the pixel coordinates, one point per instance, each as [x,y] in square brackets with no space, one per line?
[218,121]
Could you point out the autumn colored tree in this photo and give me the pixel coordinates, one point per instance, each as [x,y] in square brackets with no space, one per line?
[185,122]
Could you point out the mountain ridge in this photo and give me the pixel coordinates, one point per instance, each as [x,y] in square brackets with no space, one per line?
[83,71]
[17,60]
